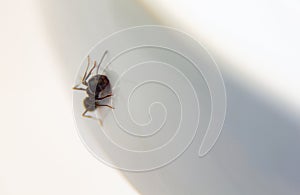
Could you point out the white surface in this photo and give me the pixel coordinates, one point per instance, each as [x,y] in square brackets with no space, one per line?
[40,150]
[258,151]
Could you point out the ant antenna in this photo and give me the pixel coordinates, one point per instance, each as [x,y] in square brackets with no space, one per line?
[104,54]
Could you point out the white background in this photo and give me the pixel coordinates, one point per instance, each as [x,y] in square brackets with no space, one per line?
[43,42]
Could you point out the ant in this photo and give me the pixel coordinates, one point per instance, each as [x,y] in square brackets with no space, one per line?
[94,88]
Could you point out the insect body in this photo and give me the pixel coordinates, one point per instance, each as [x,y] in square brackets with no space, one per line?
[94,88]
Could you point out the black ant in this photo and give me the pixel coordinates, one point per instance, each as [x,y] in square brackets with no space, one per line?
[94,88]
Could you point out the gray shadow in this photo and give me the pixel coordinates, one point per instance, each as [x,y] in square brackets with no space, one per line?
[258,152]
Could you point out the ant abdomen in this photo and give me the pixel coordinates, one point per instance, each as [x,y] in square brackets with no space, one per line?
[89,104]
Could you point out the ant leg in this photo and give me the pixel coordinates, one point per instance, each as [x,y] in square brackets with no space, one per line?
[100,122]
[101,98]
[104,105]
[83,80]
[78,88]
[84,114]
[104,54]
[87,75]
[90,72]
[87,67]
[88,116]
